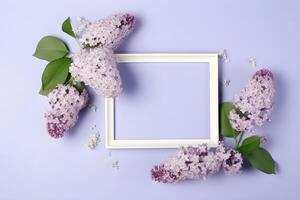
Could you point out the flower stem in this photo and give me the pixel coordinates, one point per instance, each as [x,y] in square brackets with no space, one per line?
[237,142]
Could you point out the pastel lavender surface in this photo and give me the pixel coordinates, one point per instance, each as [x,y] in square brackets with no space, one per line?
[197,163]
[65,103]
[34,167]
[254,102]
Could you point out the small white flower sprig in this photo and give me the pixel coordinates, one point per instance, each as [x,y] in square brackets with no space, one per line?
[65,76]
[252,107]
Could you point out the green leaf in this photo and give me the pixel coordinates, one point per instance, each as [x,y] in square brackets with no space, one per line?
[250,144]
[225,126]
[44,92]
[56,72]
[262,160]
[67,27]
[50,48]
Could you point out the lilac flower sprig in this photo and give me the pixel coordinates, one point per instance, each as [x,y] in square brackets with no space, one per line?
[250,109]
[65,76]
[197,163]
[67,97]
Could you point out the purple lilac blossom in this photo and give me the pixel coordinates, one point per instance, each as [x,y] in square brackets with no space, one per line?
[108,32]
[254,103]
[197,163]
[97,68]
[65,103]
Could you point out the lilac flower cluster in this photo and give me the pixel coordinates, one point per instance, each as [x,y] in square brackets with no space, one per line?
[65,102]
[108,32]
[96,66]
[254,102]
[197,163]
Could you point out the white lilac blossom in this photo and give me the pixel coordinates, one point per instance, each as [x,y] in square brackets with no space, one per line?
[93,107]
[65,102]
[197,163]
[115,164]
[97,68]
[254,103]
[252,62]
[93,140]
[108,32]
[226,83]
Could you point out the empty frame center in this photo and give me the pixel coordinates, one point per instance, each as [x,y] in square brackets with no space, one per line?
[163,101]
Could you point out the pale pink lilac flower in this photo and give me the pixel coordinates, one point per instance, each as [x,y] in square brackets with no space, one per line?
[197,163]
[97,68]
[254,102]
[65,102]
[108,32]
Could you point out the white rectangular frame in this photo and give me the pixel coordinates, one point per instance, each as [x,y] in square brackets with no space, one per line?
[212,59]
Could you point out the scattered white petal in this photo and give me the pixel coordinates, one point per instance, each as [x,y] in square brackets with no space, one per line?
[227,60]
[93,140]
[222,52]
[252,62]
[226,83]
[94,127]
[115,164]
[93,107]
[224,56]
[263,140]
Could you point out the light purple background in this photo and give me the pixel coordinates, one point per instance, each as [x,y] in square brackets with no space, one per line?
[163,101]
[35,166]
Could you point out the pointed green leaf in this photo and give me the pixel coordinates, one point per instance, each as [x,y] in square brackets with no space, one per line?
[262,160]
[225,126]
[50,48]
[56,72]
[44,92]
[250,144]
[67,27]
